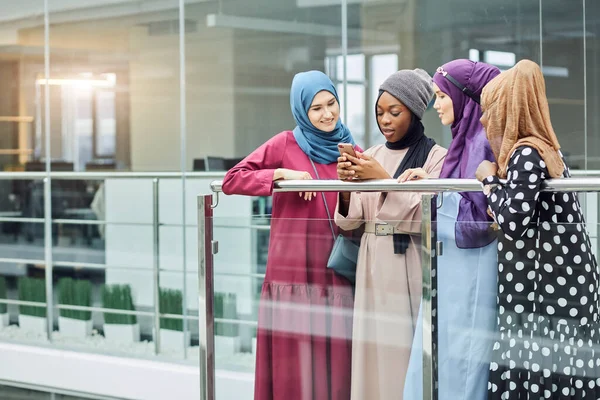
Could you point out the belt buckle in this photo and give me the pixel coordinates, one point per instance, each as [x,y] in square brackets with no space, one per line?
[383,229]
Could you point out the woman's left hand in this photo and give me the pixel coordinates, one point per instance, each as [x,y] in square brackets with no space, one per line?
[485,169]
[413,174]
[366,167]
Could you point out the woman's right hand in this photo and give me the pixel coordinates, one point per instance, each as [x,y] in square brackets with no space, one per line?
[485,169]
[293,175]
[343,172]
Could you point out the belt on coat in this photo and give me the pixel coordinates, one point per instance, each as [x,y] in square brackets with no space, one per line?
[380,228]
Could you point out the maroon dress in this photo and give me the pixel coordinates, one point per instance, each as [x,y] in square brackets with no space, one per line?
[305,318]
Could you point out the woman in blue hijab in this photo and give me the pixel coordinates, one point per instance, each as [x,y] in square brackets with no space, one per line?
[319,141]
[305,314]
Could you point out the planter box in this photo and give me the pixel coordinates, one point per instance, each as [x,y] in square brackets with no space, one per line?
[227,345]
[75,328]
[172,340]
[4,320]
[122,333]
[33,324]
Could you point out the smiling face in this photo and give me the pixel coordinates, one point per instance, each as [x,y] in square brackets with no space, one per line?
[393,117]
[324,111]
[443,105]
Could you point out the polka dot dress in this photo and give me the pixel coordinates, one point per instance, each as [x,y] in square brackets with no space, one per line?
[548,344]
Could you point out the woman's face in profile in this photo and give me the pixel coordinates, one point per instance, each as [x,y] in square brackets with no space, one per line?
[444,106]
[324,111]
[393,117]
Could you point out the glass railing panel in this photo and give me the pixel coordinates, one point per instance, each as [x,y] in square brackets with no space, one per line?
[548,293]
[21,224]
[311,320]
[22,265]
[79,226]
[105,236]
[518,312]
[465,315]
[239,269]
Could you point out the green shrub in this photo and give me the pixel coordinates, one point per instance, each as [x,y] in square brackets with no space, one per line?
[171,302]
[34,290]
[75,293]
[226,307]
[118,297]
[2,294]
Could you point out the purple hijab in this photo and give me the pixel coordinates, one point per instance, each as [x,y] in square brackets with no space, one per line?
[469,147]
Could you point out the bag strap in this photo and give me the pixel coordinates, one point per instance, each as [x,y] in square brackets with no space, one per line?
[324,200]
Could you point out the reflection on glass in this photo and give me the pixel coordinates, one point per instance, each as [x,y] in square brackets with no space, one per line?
[382,66]
[106,124]
[356,109]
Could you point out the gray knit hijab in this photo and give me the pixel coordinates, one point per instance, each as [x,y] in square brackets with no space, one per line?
[414,88]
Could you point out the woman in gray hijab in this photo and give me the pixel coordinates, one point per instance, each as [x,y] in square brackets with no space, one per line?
[388,276]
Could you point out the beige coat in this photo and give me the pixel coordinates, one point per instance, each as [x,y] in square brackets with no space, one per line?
[384,313]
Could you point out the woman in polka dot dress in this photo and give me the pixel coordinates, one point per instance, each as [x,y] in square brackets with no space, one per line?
[548,344]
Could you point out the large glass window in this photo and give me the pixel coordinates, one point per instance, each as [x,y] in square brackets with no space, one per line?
[146,95]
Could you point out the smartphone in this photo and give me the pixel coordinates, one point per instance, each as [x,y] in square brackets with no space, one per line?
[346,148]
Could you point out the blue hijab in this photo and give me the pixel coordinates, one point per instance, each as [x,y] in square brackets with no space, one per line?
[320,146]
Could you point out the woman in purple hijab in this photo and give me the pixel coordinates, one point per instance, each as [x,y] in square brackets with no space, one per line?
[467,271]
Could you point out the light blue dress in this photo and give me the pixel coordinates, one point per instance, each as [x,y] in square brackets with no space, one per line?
[467,287]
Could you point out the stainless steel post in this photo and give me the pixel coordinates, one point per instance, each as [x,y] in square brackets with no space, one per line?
[156,264]
[182,154]
[429,305]
[206,297]
[47,181]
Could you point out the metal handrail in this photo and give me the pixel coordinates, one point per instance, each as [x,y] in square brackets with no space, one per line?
[61,175]
[97,266]
[120,312]
[426,185]
[585,172]
[66,175]
[124,312]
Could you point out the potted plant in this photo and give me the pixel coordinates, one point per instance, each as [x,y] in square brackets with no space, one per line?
[171,329]
[4,318]
[75,323]
[119,327]
[32,318]
[227,340]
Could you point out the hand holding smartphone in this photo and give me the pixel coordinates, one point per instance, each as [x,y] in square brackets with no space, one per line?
[346,148]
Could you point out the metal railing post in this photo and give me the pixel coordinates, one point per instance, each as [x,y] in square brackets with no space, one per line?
[429,302]
[156,264]
[183,150]
[48,256]
[206,251]
[48,237]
